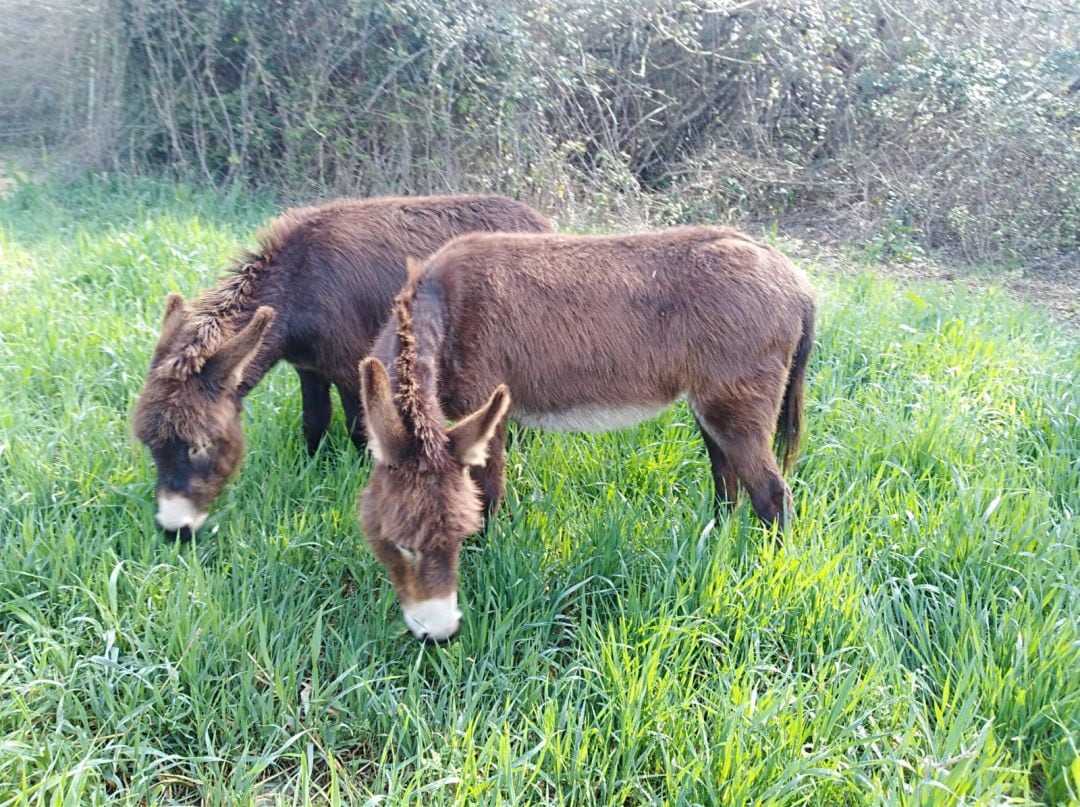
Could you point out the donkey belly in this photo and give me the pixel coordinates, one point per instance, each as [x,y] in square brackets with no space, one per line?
[589,417]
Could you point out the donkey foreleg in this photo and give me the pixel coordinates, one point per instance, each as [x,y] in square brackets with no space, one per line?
[315,395]
[354,418]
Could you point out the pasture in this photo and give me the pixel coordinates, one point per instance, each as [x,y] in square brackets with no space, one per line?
[916,640]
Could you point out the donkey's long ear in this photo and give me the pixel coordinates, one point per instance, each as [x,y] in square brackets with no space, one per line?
[387,437]
[470,437]
[226,366]
[176,315]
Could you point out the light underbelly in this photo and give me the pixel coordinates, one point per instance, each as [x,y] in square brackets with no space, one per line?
[590,417]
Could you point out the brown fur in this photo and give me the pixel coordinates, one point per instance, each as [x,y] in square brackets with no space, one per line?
[418,540]
[329,273]
[578,328]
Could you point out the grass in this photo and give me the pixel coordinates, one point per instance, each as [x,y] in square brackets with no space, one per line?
[916,641]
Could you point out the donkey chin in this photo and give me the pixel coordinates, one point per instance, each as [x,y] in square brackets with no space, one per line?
[178,516]
[437,620]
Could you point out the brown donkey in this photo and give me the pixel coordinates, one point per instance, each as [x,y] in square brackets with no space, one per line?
[315,293]
[581,333]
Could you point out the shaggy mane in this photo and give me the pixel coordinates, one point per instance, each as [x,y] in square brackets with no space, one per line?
[415,366]
[220,312]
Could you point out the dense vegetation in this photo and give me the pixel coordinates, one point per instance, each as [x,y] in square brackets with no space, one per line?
[912,123]
[915,641]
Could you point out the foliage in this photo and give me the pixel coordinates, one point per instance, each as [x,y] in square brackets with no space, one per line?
[914,642]
[954,124]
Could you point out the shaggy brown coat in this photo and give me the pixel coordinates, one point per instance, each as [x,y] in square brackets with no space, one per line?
[585,333]
[314,293]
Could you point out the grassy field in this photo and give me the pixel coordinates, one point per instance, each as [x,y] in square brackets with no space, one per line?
[916,641]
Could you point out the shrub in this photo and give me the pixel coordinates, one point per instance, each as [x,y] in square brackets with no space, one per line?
[945,124]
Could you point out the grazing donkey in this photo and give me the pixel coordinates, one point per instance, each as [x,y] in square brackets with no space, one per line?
[574,333]
[315,293]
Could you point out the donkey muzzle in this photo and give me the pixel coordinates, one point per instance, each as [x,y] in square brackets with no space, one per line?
[435,621]
[177,515]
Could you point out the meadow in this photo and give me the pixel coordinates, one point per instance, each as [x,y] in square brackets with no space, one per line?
[915,641]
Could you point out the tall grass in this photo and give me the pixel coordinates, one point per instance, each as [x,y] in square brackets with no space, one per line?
[916,640]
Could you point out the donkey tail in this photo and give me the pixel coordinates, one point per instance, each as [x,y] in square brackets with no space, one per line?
[789,424]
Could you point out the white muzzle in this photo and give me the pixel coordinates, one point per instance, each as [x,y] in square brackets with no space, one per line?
[177,512]
[435,620]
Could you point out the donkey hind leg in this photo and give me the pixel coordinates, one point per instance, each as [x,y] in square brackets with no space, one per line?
[315,395]
[725,481]
[745,438]
[354,417]
[490,478]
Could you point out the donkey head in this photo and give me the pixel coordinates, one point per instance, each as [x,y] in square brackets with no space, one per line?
[188,414]
[421,502]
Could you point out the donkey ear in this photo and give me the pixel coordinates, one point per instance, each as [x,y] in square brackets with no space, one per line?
[387,437]
[470,437]
[175,309]
[412,267]
[226,366]
[176,315]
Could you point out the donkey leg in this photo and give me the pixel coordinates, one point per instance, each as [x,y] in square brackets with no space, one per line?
[315,394]
[745,436]
[757,468]
[491,477]
[354,417]
[725,481]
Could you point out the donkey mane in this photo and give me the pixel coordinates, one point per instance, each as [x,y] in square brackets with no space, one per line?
[218,313]
[416,364]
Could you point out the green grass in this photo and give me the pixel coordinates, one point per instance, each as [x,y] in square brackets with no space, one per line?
[916,641]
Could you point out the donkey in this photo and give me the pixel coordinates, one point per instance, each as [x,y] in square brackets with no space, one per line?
[314,293]
[574,333]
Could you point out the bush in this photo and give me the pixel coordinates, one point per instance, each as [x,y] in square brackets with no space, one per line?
[951,124]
